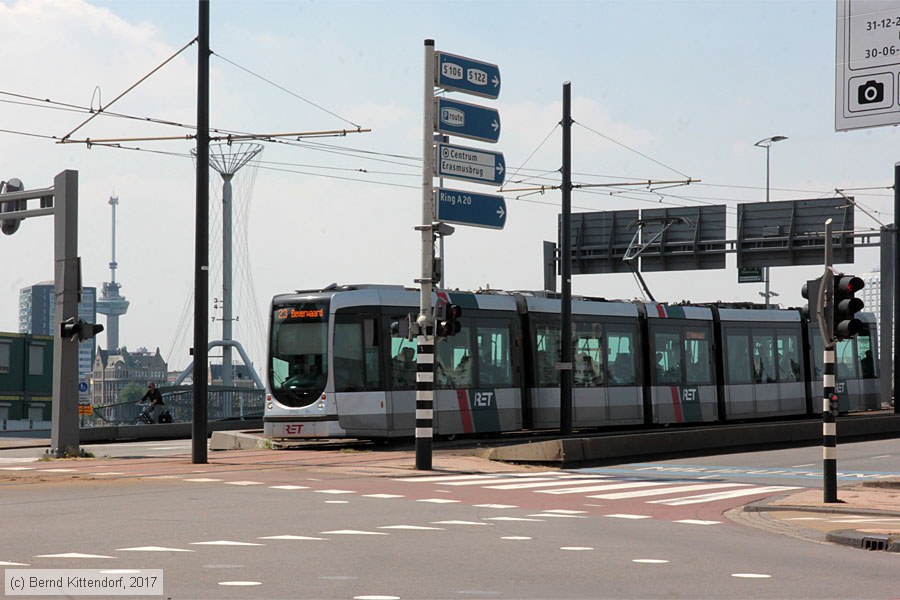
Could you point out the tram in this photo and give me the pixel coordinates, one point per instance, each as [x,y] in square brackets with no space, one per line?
[334,368]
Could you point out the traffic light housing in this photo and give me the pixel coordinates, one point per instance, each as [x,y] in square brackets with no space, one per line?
[10,226]
[810,292]
[846,305]
[78,330]
[447,321]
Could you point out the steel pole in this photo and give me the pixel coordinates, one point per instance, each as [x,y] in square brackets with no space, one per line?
[767,200]
[896,275]
[201,246]
[425,339]
[829,404]
[565,366]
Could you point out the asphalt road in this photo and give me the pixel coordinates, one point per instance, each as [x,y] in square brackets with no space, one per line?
[298,533]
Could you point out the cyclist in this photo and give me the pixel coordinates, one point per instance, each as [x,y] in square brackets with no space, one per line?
[155,398]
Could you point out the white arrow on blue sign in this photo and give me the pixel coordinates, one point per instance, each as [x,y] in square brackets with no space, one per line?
[467,120]
[469,164]
[466,75]
[466,208]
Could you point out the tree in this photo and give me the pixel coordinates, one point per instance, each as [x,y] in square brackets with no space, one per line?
[131,392]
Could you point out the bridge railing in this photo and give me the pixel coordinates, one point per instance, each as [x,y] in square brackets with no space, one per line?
[223,404]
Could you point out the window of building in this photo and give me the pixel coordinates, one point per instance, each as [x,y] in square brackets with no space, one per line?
[36,359]
[4,357]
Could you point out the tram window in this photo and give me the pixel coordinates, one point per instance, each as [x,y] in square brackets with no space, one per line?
[493,341]
[737,346]
[356,364]
[867,367]
[788,356]
[548,353]
[587,354]
[696,356]
[667,346]
[453,358]
[845,359]
[763,358]
[620,356]
[818,348]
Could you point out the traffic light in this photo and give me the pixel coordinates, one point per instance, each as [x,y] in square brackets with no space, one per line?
[846,306]
[447,321]
[810,292]
[10,226]
[78,330]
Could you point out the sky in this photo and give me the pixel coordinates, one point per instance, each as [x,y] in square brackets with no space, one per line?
[661,91]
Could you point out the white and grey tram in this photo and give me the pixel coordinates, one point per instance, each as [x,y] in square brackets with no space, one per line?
[334,369]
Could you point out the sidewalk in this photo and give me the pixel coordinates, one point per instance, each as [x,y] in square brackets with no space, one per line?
[866,516]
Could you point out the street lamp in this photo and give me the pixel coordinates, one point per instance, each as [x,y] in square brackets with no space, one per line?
[767,143]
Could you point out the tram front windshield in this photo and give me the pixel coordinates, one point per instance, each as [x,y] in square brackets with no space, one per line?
[298,365]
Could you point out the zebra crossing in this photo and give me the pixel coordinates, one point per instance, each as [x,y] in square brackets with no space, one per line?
[668,492]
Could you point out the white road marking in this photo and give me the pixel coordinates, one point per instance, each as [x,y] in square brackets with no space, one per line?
[602,488]
[438,500]
[668,490]
[457,523]
[288,487]
[698,522]
[650,561]
[513,519]
[382,496]
[152,549]
[565,511]
[337,502]
[626,516]
[16,468]
[109,473]
[501,480]
[541,483]
[240,583]
[413,527]
[722,495]
[751,575]
[58,470]
[243,483]
[496,506]
[12,564]
[431,478]
[202,479]
[557,516]
[515,537]
[576,548]
[334,492]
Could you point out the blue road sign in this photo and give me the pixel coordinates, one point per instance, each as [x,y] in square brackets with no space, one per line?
[466,75]
[83,386]
[469,164]
[466,208]
[467,120]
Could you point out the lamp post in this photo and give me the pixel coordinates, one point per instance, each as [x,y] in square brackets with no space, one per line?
[767,143]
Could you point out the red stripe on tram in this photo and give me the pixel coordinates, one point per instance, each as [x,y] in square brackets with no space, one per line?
[465,413]
[676,404]
[661,311]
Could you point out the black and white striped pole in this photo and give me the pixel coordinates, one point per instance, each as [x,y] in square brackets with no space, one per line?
[425,321]
[829,401]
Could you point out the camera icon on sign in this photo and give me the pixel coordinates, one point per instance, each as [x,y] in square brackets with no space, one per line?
[871,92]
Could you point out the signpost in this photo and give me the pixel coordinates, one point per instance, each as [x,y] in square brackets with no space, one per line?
[451,117]
[470,164]
[867,69]
[466,208]
[467,75]
[750,275]
[467,120]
